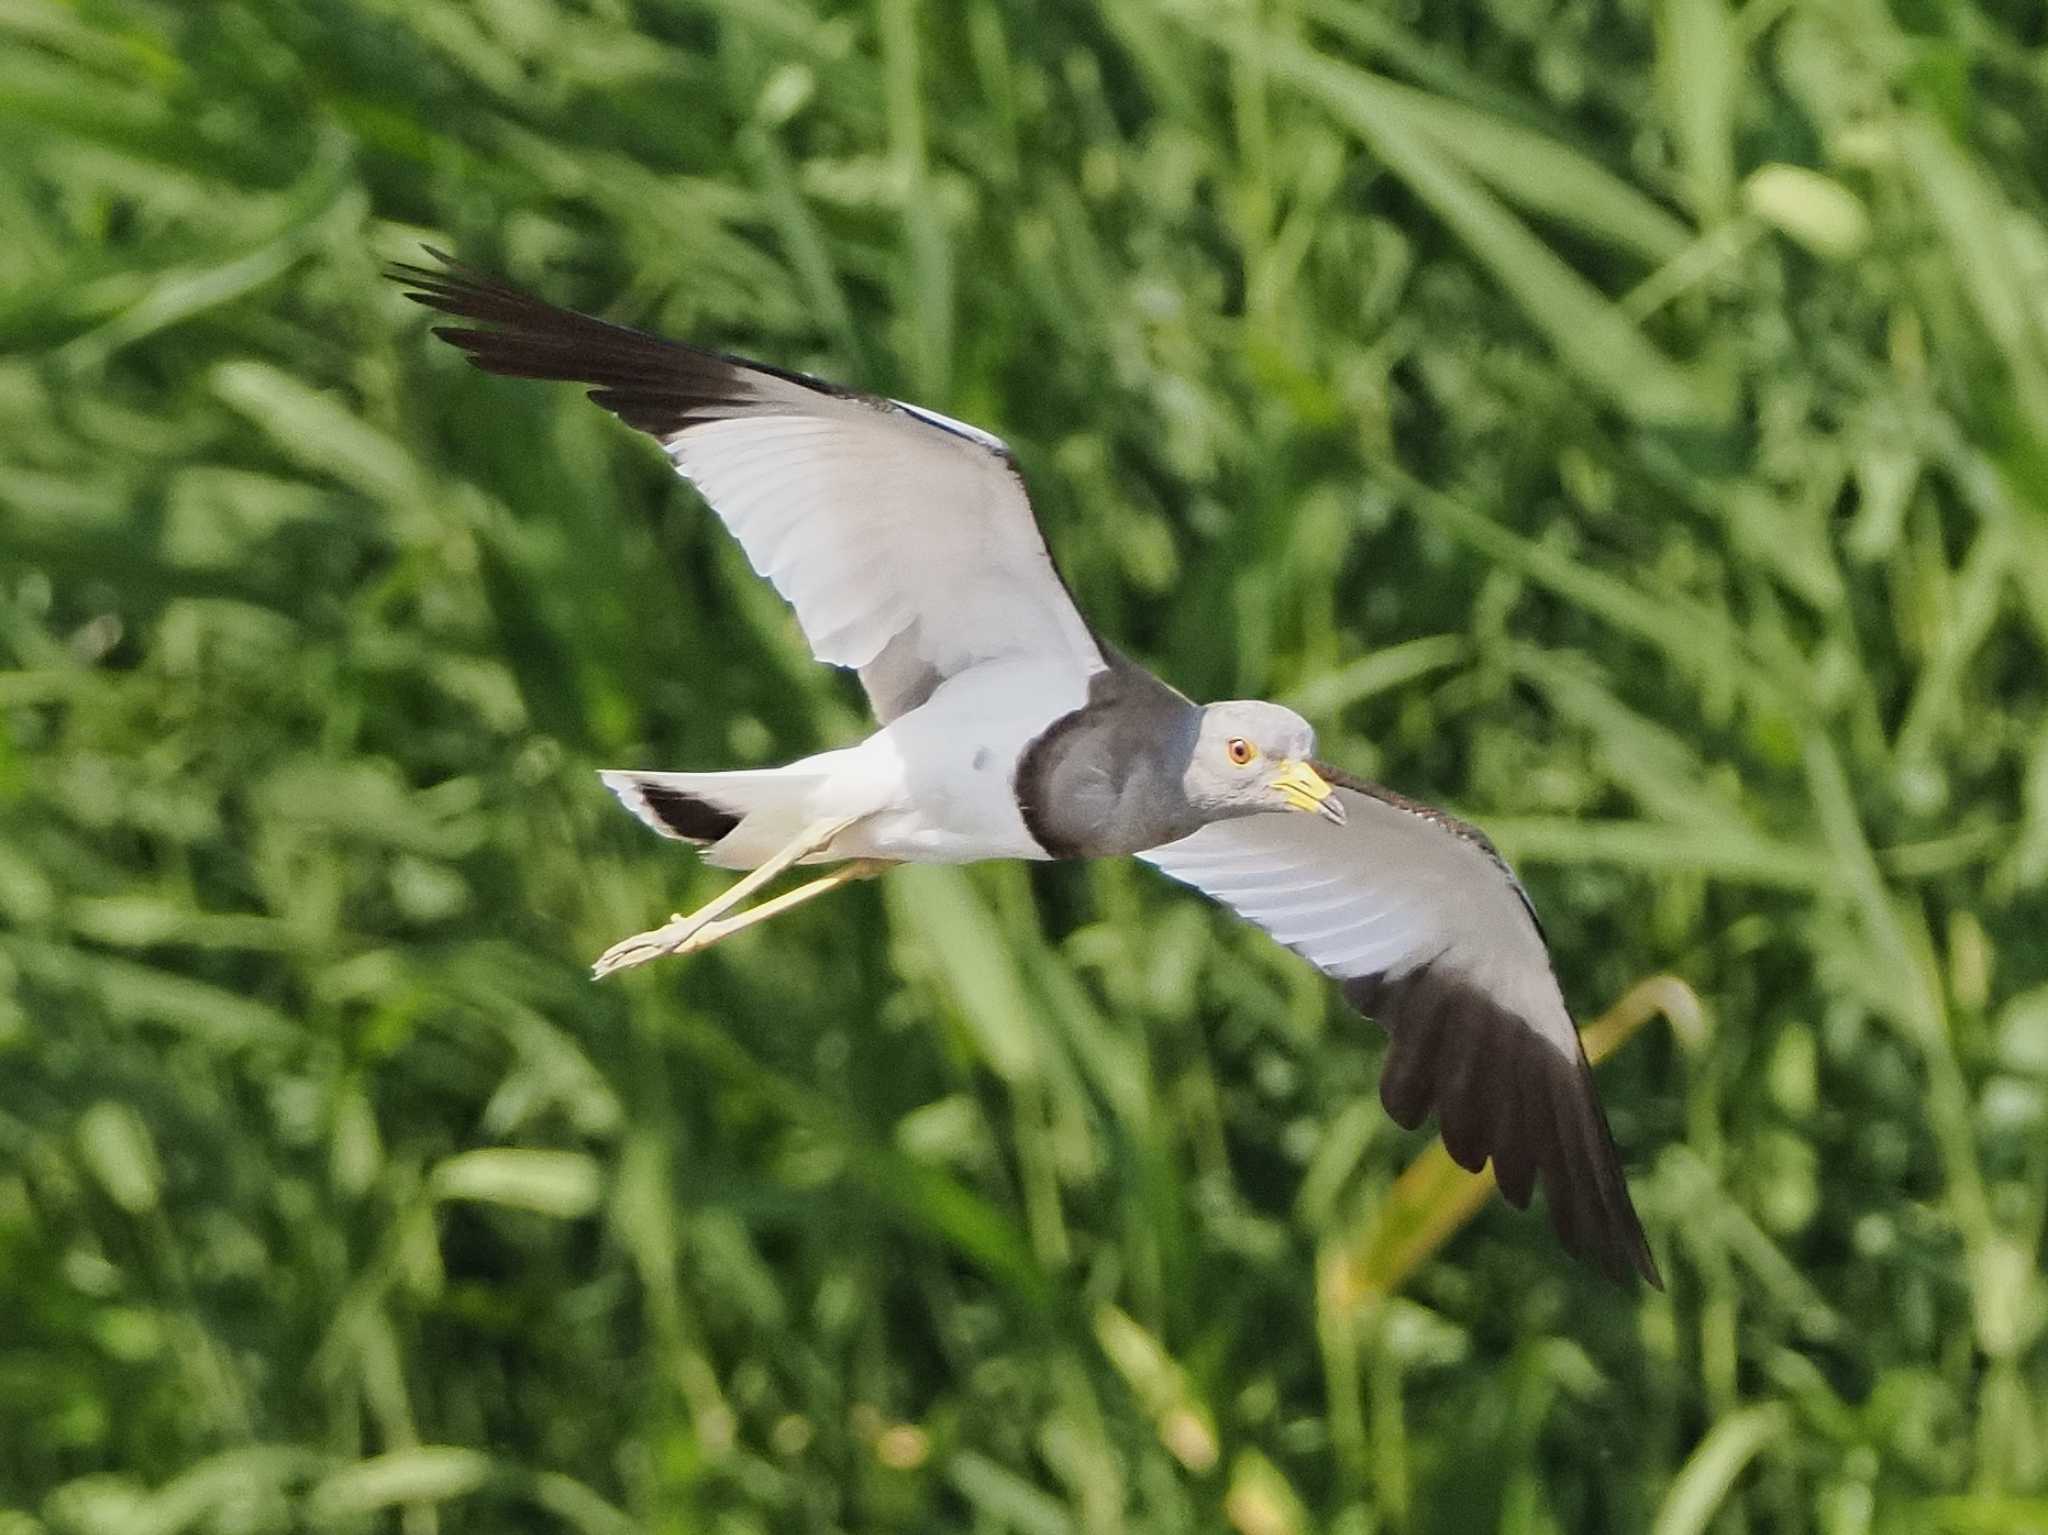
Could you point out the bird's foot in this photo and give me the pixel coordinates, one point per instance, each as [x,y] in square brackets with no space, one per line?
[673,937]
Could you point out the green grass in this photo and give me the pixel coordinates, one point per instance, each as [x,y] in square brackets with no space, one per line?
[1625,423]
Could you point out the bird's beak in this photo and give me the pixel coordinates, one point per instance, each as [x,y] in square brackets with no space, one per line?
[1305,789]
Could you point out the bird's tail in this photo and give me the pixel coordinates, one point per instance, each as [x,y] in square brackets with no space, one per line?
[742,818]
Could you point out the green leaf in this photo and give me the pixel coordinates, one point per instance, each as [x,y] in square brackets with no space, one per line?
[1708,1475]
[564,1184]
[970,954]
[426,1474]
[1698,74]
[116,1146]
[1816,210]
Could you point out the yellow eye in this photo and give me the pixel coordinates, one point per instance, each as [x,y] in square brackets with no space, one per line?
[1241,751]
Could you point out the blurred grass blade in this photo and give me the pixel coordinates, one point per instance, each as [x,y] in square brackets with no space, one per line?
[971,956]
[928,272]
[116,1146]
[1185,1426]
[1975,222]
[315,430]
[208,1494]
[1261,1501]
[422,1475]
[564,1184]
[933,1203]
[1705,1480]
[1719,849]
[1438,68]
[1003,1500]
[1698,71]
[1532,169]
[136,993]
[1817,211]
[1987,1514]
[1381,671]
[579,1508]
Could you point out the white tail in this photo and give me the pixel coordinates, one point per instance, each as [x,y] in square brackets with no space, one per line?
[741,817]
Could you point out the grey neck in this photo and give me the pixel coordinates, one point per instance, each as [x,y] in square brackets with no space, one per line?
[1107,779]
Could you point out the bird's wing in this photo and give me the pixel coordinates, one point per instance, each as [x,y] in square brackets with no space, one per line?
[1425,928]
[903,539]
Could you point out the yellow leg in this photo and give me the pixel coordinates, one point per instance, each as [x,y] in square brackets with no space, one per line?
[722,928]
[678,930]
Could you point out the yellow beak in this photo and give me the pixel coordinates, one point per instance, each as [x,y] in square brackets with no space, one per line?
[1305,789]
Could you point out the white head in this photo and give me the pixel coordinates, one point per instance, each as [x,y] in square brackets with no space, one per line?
[1251,757]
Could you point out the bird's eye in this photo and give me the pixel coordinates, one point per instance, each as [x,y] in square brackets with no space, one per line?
[1241,751]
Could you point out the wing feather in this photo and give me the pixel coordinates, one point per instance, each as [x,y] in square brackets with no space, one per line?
[903,539]
[1426,930]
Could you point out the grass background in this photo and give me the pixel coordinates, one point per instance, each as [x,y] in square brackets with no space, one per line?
[1624,422]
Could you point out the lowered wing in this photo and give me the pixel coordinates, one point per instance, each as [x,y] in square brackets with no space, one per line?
[1424,927]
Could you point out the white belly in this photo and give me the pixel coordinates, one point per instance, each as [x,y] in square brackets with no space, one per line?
[936,784]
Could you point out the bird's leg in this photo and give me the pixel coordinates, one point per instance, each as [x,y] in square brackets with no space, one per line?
[678,930]
[724,927]
[814,838]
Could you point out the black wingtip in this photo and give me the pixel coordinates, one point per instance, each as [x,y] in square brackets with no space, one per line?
[1646,1268]
[1503,1092]
[421,282]
[1589,1179]
[455,287]
[657,385]
[660,386]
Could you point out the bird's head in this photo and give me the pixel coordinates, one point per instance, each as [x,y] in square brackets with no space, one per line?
[1251,757]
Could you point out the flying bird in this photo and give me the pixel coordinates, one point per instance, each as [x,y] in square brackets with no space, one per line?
[1008,728]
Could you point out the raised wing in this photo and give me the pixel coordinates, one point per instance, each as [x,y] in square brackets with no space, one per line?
[903,539]
[1426,929]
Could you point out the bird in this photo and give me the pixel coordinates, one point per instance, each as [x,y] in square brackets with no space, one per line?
[1007,727]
